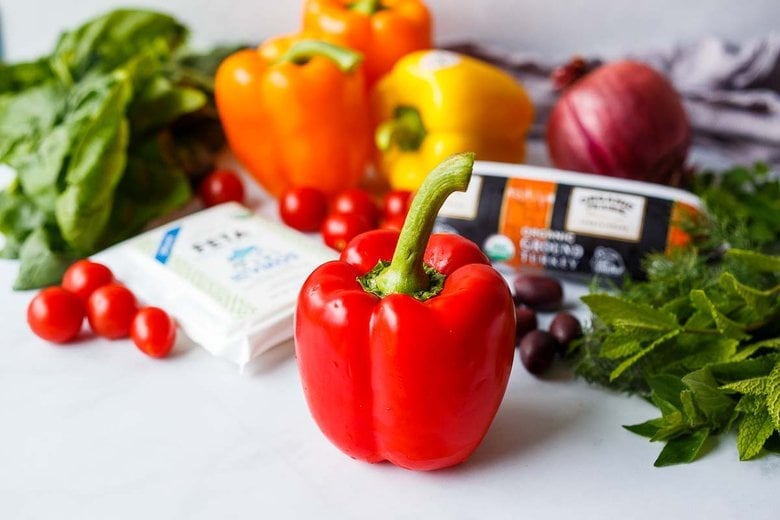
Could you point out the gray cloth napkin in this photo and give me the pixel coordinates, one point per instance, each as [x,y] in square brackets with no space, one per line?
[731,91]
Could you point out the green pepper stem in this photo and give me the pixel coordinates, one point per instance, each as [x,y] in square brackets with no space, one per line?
[405,130]
[406,272]
[367,7]
[302,51]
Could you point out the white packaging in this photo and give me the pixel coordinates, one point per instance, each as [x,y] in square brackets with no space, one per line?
[229,277]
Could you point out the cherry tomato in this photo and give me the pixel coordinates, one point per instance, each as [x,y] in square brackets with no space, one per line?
[356,202]
[110,310]
[339,228]
[85,276]
[396,222]
[55,314]
[221,186]
[303,208]
[395,203]
[153,331]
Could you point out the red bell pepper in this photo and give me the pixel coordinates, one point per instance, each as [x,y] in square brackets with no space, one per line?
[404,351]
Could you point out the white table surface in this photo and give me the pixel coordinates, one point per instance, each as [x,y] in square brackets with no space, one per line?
[97,430]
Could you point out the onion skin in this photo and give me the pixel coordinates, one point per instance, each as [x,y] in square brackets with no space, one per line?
[624,119]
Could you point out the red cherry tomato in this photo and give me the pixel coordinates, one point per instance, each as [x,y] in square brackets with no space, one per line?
[153,331]
[339,228]
[85,276]
[395,222]
[55,314]
[221,186]
[303,208]
[356,202]
[110,310]
[395,203]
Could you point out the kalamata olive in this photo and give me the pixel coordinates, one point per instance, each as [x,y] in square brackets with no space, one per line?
[565,328]
[526,321]
[537,350]
[538,291]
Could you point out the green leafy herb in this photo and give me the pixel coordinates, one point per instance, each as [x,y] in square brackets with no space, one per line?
[106,133]
[700,337]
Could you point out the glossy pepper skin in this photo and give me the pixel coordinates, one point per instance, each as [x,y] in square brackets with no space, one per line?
[437,103]
[383,31]
[415,382]
[294,117]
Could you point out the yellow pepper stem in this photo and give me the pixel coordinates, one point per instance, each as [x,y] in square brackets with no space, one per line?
[405,130]
[303,50]
[406,273]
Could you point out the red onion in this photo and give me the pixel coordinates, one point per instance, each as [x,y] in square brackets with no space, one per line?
[624,119]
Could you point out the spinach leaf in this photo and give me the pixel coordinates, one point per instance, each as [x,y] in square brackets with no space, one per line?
[110,41]
[42,260]
[152,186]
[105,134]
[98,160]
[21,76]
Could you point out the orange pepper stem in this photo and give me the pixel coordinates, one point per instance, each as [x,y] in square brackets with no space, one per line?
[405,130]
[302,51]
[367,7]
[406,273]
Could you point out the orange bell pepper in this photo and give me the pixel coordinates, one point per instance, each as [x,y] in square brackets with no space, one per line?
[382,30]
[295,113]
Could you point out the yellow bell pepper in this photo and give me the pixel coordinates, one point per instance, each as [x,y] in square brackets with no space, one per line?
[436,103]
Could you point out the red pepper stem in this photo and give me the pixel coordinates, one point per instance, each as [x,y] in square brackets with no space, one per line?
[367,7]
[406,273]
[302,51]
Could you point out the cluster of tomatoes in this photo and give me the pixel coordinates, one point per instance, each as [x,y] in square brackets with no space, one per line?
[343,217]
[307,209]
[88,289]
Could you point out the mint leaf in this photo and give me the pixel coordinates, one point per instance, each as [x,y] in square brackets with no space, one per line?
[754,430]
[725,326]
[619,345]
[753,386]
[738,369]
[646,429]
[622,313]
[749,350]
[693,351]
[689,409]
[682,449]
[667,387]
[773,396]
[752,296]
[710,400]
[756,260]
[625,365]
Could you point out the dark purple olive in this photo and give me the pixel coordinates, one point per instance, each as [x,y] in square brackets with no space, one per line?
[537,350]
[538,291]
[526,321]
[565,328]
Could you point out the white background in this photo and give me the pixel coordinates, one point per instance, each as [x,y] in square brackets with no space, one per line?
[548,28]
[96,430]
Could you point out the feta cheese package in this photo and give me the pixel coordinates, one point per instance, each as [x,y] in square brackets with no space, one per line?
[229,277]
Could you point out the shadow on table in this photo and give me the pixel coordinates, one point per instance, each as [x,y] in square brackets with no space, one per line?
[270,360]
[521,426]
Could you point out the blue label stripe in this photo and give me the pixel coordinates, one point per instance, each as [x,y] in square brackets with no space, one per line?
[166,245]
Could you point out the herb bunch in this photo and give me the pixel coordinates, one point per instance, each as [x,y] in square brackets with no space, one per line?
[700,337]
[106,133]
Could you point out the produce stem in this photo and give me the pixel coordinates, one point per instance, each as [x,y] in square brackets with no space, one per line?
[367,7]
[302,51]
[406,273]
[405,130]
